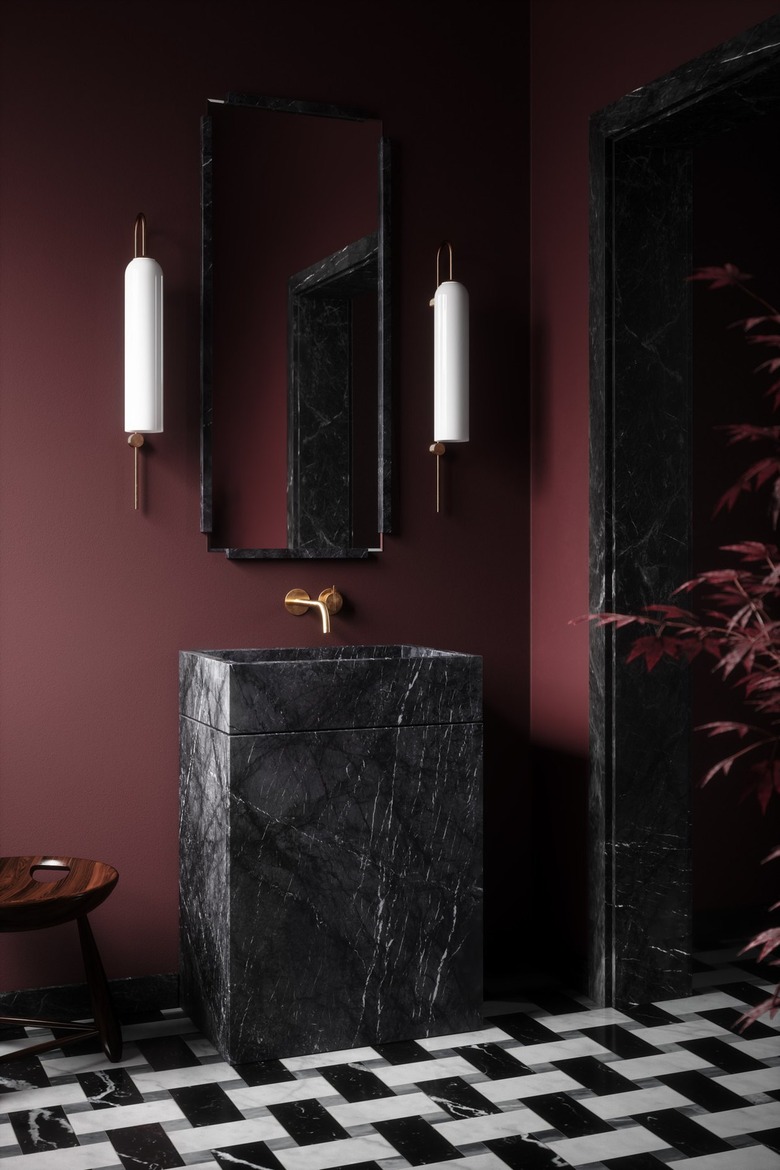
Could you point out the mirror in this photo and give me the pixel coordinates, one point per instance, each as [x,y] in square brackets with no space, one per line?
[295,344]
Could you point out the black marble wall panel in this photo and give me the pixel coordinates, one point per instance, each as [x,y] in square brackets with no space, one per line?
[640,501]
[354,892]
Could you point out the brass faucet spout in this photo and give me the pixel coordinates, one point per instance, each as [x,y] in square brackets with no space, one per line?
[322,607]
[297,601]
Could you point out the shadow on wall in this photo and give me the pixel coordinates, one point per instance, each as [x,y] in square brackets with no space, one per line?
[536,903]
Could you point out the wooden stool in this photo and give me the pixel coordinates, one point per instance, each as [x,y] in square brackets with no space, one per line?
[28,903]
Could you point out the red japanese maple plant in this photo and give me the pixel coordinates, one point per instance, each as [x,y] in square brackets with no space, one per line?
[735,609]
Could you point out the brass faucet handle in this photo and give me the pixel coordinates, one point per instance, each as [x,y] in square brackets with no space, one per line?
[332,599]
[296,601]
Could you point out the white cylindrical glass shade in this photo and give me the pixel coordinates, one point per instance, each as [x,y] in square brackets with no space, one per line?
[451,363]
[143,345]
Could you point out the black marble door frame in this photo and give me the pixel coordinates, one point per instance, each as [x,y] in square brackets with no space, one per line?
[640,506]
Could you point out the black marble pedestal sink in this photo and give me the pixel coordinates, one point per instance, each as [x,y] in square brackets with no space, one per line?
[330,846]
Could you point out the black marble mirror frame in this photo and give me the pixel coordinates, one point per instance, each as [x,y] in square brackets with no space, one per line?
[384,405]
[640,507]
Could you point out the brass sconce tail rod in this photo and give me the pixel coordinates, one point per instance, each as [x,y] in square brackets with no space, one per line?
[450,364]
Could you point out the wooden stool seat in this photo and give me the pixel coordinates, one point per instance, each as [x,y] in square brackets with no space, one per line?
[38,892]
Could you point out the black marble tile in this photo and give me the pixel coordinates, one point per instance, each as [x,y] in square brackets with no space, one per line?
[493,1061]
[42,1129]
[307,1122]
[355,1084]
[25,1073]
[682,1133]
[567,1115]
[524,1153]
[768,1137]
[401,1052]
[458,1098]
[650,1015]
[635,1162]
[554,1003]
[248,1156]
[728,1017]
[144,1147]
[356,1166]
[621,1041]
[602,1079]
[416,1140]
[722,1055]
[266,1072]
[206,1104]
[751,993]
[109,1087]
[525,1028]
[163,1052]
[703,1091]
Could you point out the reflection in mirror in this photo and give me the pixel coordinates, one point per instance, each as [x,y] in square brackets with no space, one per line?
[295,347]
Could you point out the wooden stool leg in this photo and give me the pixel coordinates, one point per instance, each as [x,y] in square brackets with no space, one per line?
[102,1007]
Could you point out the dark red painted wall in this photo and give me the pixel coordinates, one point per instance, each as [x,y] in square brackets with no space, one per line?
[101,103]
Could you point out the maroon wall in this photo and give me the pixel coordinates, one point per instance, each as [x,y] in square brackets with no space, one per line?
[101,105]
[583,56]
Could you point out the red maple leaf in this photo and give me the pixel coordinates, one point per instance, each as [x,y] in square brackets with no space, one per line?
[720,276]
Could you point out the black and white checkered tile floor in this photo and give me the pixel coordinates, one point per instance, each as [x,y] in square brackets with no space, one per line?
[546,1084]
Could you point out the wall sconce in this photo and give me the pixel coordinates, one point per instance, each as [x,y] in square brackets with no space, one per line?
[450,365]
[143,346]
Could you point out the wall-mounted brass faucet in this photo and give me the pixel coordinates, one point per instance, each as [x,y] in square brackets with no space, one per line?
[297,601]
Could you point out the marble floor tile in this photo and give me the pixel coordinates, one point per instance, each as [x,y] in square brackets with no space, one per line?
[554,1084]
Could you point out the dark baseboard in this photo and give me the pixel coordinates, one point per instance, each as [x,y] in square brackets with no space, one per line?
[134,996]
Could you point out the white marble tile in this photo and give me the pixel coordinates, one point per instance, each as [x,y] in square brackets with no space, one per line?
[89,1157]
[764,1048]
[229,1133]
[42,1098]
[708,1001]
[758,1080]
[423,1070]
[530,1085]
[492,1125]
[383,1109]
[303,1090]
[322,1059]
[640,1101]
[640,1067]
[730,1122]
[344,1152]
[592,1018]
[7,1135]
[676,1033]
[747,1158]
[553,1050]
[176,1078]
[618,1143]
[486,1035]
[146,1113]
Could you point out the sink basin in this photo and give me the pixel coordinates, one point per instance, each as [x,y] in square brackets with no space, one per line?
[244,691]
